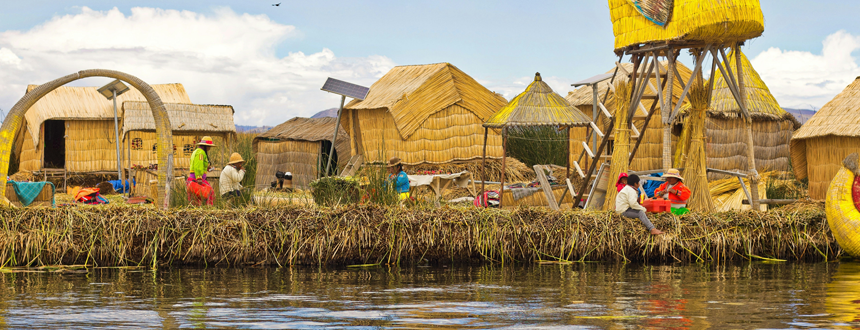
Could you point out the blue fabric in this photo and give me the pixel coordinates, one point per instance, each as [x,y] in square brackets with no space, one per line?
[28,191]
[117,186]
[650,186]
[401,182]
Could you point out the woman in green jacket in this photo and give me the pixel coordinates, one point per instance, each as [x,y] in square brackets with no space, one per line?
[199,190]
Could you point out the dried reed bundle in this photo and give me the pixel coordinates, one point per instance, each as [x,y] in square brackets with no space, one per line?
[621,153]
[695,165]
[282,236]
[728,194]
[515,170]
[683,146]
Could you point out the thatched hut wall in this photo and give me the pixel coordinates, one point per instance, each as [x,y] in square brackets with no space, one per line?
[424,114]
[301,158]
[727,150]
[295,146]
[452,134]
[141,149]
[820,145]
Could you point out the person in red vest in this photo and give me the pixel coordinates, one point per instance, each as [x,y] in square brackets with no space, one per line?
[675,191]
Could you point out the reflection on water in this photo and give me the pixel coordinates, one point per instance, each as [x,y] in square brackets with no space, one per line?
[757,295]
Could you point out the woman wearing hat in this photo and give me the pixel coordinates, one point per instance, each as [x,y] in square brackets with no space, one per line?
[675,191]
[231,177]
[398,178]
[198,188]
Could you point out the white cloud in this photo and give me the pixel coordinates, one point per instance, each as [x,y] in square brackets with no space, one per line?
[220,58]
[801,79]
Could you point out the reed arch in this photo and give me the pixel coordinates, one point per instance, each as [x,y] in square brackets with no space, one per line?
[13,121]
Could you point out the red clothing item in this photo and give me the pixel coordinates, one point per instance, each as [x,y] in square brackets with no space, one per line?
[680,198]
[618,184]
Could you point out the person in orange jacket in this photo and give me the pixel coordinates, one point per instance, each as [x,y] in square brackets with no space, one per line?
[675,191]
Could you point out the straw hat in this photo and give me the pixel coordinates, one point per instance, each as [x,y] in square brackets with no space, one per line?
[673,173]
[206,141]
[235,158]
[394,161]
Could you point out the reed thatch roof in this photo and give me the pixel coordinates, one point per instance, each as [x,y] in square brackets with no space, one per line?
[582,96]
[759,101]
[839,117]
[687,21]
[185,118]
[412,93]
[309,129]
[538,105]
[85,103]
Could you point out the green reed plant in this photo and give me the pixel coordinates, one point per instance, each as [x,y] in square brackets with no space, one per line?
[538,145]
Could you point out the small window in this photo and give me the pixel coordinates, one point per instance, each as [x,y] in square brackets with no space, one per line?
[155,147]
[188,149]
[137,144]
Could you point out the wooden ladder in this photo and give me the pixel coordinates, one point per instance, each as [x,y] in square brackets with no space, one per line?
[352,165]
[595,158]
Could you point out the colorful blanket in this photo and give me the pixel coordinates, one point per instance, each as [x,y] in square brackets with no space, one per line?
[28,191]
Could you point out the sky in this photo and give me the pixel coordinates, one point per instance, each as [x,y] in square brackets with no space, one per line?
[269,62]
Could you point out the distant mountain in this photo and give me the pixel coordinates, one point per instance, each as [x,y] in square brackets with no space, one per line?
[252,129]
[801,115]
[326,113]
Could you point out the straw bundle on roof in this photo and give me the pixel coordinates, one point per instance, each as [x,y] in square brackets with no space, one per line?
[186,119]
[820,145]
[686,21]
[423,114]
[649,156]
[296,146]
[538,105]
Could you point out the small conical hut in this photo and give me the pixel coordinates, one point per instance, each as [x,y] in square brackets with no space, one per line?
[772,126]
[538,105]
[649,156]
[423,114]
[637,22]
[820,145]
[299,146]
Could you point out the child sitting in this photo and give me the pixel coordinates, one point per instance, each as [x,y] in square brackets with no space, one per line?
[627,204]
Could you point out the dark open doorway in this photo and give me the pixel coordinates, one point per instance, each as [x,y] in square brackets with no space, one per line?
[55,144]
[326,147]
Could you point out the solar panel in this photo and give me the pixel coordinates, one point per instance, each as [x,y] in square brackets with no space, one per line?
[592,80]
[344,88]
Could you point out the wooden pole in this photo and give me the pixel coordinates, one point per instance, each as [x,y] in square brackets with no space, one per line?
[504,155]
[754,178]
[567,144]
[484,164]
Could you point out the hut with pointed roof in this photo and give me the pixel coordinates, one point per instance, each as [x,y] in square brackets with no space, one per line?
[191,122]
[820,145]
[538,105]
[71,129]
[649,156]
[725,130]
[299,146]
[424,114]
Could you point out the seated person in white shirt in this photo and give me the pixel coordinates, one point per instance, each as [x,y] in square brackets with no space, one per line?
[627,204]
[231,177]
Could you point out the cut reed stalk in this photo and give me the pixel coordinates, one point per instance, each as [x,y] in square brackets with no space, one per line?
[695,164]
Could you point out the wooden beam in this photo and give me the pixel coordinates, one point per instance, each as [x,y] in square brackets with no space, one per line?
[645,127]
[578,170]
[730,82]
[624,71]
[713,170]
[544,185]
[587,150]
[737,84]
[592,166]
[687,86]
[596,130]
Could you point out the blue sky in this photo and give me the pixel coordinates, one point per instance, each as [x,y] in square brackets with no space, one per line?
[500,43]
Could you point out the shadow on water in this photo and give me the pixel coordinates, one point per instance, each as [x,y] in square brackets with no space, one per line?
[591,295]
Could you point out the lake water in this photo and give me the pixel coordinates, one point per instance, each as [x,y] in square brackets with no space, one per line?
[591,295]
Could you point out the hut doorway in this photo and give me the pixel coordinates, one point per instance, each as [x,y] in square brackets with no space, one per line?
[325,147]
[55,144]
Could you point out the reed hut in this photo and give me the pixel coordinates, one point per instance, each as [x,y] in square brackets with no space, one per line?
[71,129]
[820,145]
[424,114]
[636,22]
[190,123]
[299,146]
[725,130]
[649,156]
[537,106]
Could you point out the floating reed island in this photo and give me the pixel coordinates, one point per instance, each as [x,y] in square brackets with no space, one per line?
[370,235]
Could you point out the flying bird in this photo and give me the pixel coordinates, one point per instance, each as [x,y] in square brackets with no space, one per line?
[276,4]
